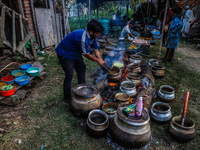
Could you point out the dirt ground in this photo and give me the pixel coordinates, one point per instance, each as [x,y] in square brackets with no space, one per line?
[191,56]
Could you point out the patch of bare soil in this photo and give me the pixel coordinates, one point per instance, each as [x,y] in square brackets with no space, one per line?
[191,56]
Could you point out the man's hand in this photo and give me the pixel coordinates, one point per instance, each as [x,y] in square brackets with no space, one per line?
[100,62]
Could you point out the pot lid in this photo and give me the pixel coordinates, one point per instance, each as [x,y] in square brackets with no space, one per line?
[142,121]
[85,90]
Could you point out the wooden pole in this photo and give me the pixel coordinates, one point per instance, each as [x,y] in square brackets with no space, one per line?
[35,23]
[54,6]
[21,8]
[9,9]
[2,23]
[33,49]
[64,18]
[161,39]
[13,32]
[53,21]
[89,11]
[22,33]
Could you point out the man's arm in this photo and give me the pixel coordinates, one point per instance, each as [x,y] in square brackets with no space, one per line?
[97,59]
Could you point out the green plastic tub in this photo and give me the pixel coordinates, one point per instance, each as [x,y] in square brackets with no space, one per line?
[32,72]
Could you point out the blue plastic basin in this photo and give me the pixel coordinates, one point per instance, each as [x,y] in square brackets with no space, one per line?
[26,66]
[22,80]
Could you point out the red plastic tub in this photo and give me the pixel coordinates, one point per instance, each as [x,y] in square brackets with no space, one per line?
[8,93]
[9,79]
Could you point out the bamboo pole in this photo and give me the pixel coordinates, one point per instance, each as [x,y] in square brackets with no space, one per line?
[161,39]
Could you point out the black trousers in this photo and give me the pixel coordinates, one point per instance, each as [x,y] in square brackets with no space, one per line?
[67,66]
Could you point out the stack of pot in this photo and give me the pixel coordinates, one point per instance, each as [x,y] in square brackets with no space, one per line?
[157,69]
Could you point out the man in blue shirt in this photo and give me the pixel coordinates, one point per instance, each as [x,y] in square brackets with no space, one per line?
[71,49]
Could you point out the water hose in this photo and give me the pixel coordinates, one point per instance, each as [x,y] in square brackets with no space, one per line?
[9,65]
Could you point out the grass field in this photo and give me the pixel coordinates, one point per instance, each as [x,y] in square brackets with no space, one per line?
[50,123]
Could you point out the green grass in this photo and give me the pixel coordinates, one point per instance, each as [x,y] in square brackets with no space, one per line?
[57,128]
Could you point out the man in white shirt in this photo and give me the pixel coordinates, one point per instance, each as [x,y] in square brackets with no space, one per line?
[187,21]
[126,31]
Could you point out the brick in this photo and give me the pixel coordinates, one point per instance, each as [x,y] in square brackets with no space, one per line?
[27,12]
[27,9]
[27,4]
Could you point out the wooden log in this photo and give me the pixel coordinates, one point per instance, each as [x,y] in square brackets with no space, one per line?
[2,22]
[33,49]
[23,43]
[13,32]
[21,8]
[53,22]
[35,23]
[22,33]
[64,15]
[7,43]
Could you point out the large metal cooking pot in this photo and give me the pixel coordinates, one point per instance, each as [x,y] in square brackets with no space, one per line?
[115,74]
[122,98]
[158,69]
[182,133]
[97,123]
[166,93]
[133,68]
[110,109]
[85,98]
[161,112]
[130,133]
[135,59]
[129,88]
[135,78]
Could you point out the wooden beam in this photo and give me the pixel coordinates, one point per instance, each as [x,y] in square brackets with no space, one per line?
[64,16]
[21,8]
[13,31]
[33,49]
[9,9]
[7,43]
[23,43]
[35,23]
[2,22]
[22,32]
[53,22]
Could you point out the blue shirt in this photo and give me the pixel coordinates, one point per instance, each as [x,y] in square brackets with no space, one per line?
[76,44]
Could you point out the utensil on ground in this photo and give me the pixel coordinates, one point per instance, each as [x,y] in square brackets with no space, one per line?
[185,108]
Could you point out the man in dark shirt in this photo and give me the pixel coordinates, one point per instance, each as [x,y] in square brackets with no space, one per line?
[71,49]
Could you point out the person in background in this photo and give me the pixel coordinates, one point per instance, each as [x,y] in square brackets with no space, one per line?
[126,31]
[71,49]
[173,35]
[188,19]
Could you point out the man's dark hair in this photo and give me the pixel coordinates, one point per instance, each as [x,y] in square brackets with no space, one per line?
[95,26]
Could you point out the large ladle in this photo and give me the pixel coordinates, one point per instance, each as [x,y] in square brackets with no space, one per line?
[185,108]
